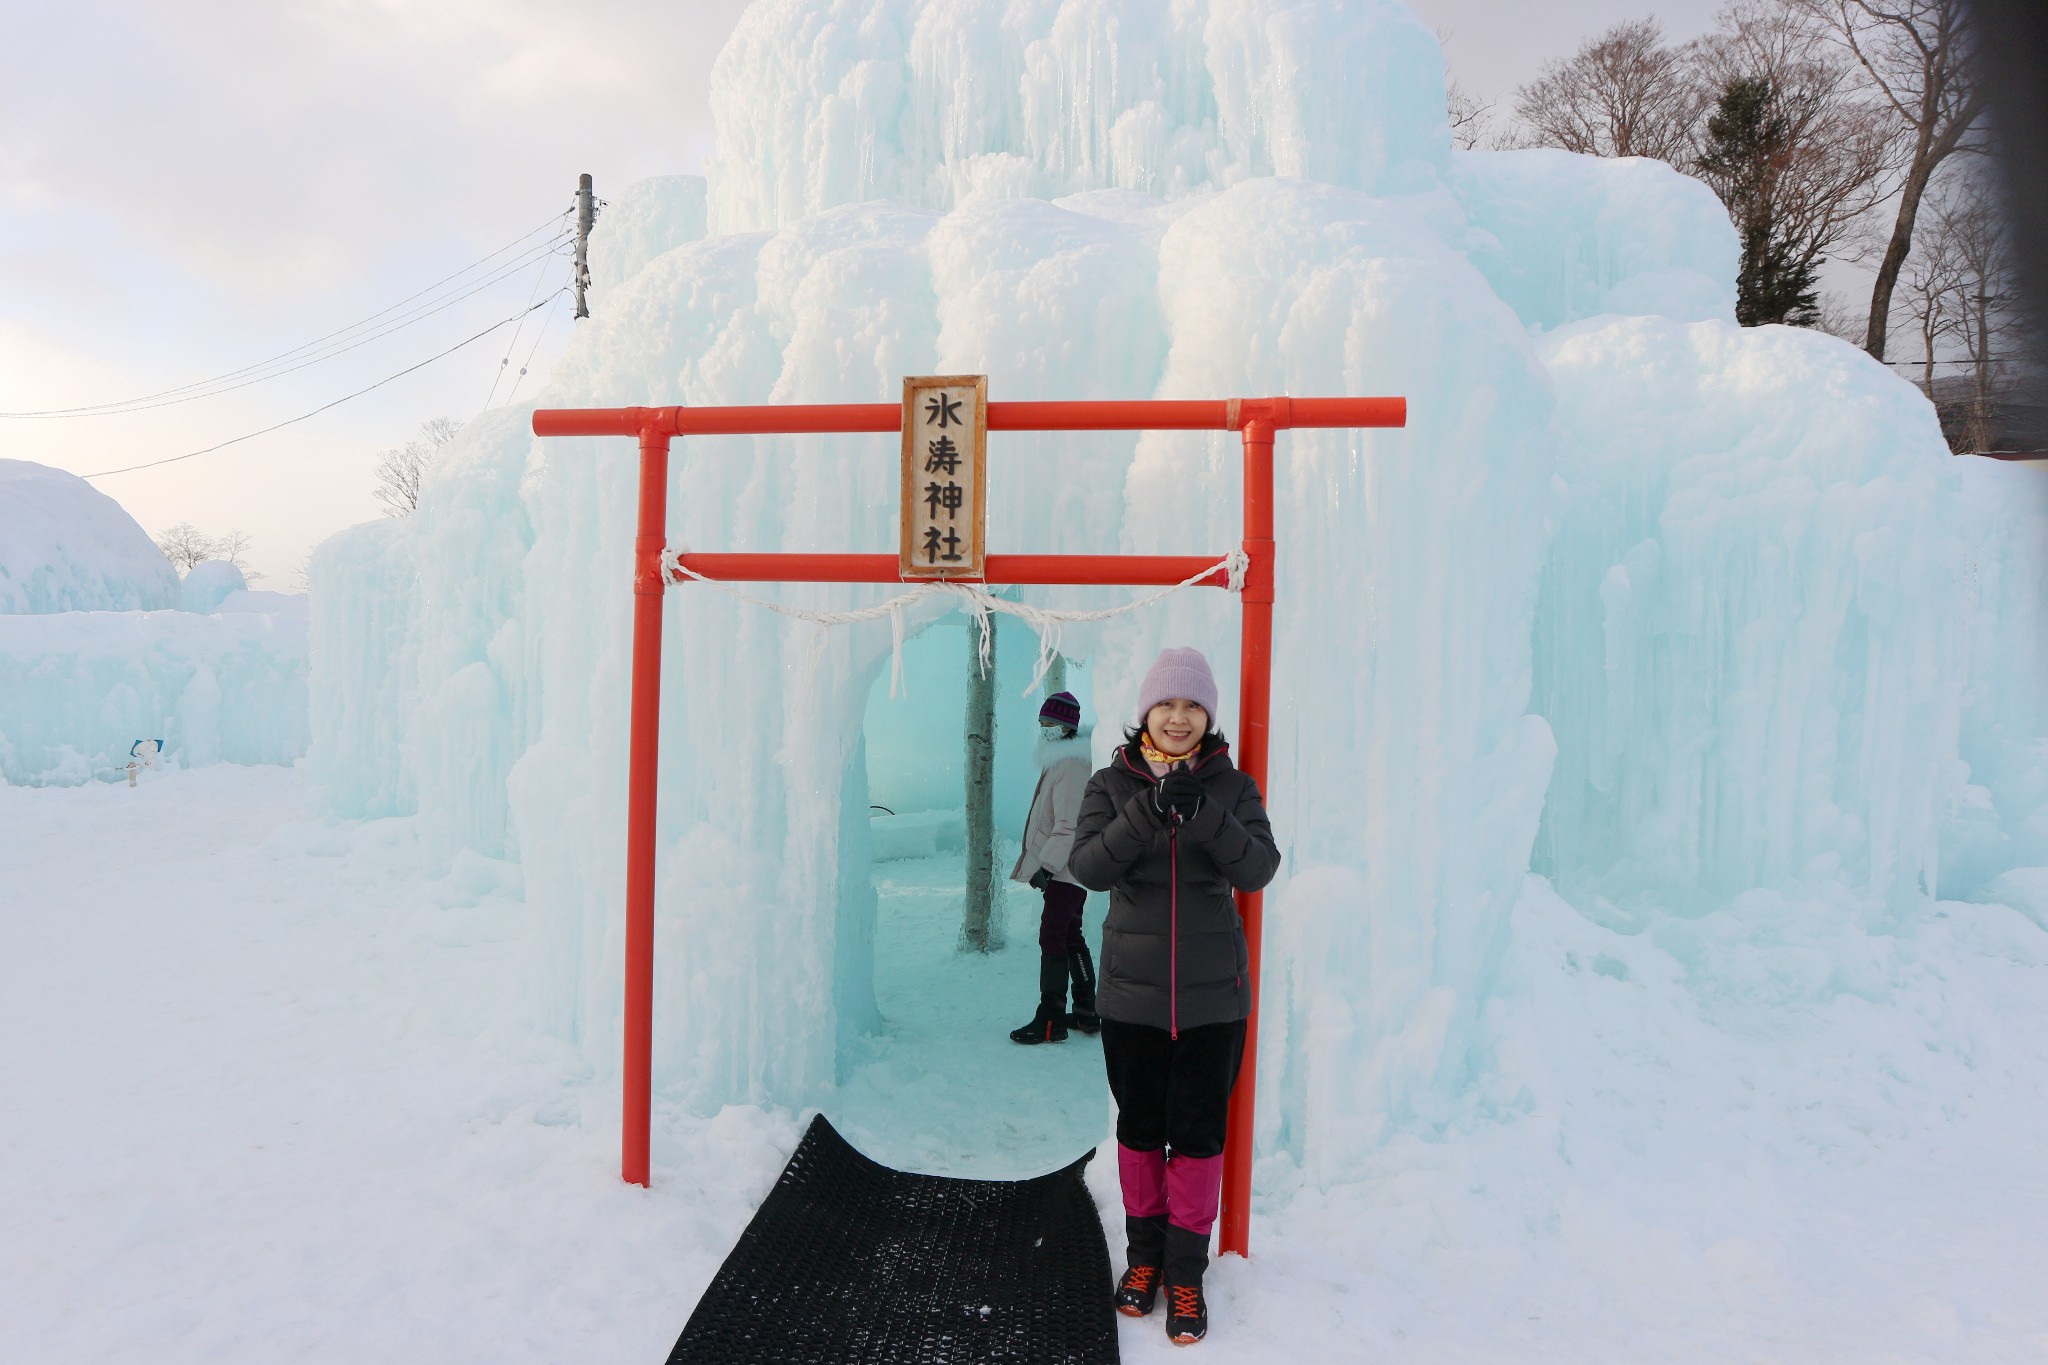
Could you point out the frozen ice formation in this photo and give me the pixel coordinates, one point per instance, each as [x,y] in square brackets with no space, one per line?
[1709,608]
[91,660]
[819,105]
[207,584]
[66,546]
[78,688]
[648,218]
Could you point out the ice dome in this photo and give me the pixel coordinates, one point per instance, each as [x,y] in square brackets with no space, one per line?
[1682,596]
[66,546]
[208,584]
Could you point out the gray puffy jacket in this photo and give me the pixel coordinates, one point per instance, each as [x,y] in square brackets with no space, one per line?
[1173,947]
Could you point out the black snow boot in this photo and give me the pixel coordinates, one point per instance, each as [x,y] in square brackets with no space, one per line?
[1081,966]
[1145,1253]
[1187,1259]
[1049,1024]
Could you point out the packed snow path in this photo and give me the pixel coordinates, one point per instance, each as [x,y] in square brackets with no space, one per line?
[270,1095]
[945,1091]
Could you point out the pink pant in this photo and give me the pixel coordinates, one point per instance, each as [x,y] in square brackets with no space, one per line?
[1186,1189]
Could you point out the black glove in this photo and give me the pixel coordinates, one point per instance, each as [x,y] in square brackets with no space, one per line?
[1040,878]
[1178,794]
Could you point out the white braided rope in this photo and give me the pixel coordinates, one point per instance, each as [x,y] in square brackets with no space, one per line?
[973,598]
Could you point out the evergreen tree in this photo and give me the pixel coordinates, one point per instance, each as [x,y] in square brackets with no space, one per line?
[1748,146]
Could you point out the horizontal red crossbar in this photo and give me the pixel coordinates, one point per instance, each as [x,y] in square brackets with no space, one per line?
[1138,571]
[1217,414]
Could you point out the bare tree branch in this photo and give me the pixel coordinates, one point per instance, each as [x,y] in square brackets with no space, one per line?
[1471,120]
[1625,93]
[1917,56]
[1839,149]
[1987,324]
[1930,289]
[185,545]
[403,469]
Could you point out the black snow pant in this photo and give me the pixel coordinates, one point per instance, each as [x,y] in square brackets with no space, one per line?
[1172,1113]
[1059,923]
[1172,1092]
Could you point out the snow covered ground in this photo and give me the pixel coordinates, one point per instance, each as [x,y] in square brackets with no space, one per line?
[264,1097]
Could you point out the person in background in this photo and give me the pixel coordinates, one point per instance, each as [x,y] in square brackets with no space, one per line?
[1048,840]
[1170,828]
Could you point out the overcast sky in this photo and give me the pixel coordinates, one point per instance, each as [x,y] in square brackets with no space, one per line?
[188,187]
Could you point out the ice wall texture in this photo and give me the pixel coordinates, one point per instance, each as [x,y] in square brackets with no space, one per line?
[362,679]
[648,218]
[1686,580]
[90,662]
[1770,618]
[66,546]
[822,103]
[78,688]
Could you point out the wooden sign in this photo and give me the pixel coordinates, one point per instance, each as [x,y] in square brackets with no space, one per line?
[945,458]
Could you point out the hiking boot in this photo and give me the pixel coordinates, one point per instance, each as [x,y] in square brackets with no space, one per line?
[1082,967]
[1186,1259]
[1048,1025]
[1187,1314]
[1138,1291]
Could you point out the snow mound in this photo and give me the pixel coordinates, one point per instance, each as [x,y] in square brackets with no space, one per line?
[66,546]
[2025,889]
[207,585]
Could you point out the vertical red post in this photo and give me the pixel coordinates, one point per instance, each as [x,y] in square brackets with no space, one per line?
[638,1072]
[1254,708]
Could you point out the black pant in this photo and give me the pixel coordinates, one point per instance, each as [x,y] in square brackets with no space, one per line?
[1059,923]
[1172,1092]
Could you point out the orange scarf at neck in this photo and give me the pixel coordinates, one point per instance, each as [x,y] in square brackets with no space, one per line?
[1154,755]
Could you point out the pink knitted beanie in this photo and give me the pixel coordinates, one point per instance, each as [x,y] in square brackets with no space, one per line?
[1178,673]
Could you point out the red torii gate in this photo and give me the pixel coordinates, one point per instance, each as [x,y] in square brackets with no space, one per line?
[1256,419]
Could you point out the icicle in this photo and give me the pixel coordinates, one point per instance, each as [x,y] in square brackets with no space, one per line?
[974,600]
[821,635]
[1048,650]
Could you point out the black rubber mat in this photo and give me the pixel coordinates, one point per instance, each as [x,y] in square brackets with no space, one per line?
[850,1263]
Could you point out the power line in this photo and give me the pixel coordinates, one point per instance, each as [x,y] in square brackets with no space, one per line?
[513,344]
[547,321]
[173,459]
[496,277]
[219,383]
[1965,360]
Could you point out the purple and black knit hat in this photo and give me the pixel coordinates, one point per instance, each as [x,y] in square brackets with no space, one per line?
[1060,709]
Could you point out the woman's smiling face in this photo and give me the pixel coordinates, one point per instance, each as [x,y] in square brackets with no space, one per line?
[1176,726]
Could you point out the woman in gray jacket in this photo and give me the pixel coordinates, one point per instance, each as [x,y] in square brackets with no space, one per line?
[1170,828]
[1048,842]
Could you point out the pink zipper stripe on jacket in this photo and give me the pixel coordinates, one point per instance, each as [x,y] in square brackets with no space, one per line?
[1173,934]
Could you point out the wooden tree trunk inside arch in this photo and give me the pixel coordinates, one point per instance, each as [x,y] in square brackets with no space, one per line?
[981,928]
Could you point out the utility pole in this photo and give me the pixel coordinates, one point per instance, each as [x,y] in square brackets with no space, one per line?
[586,214]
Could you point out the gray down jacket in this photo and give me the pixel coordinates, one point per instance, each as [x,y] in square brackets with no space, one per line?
[1173,947]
